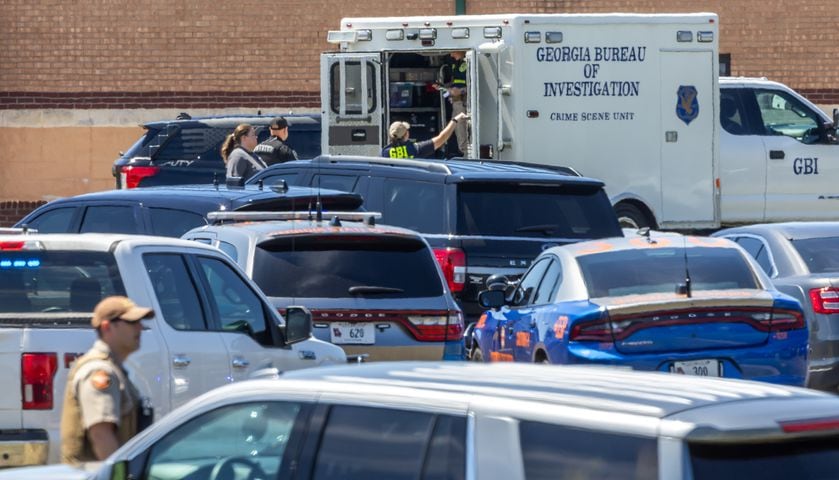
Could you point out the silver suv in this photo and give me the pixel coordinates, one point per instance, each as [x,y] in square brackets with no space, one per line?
[374,290]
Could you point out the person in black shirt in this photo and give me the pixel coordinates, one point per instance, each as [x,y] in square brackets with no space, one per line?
[274,150]
[401,147]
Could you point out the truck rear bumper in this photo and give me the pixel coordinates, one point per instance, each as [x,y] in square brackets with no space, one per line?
[19,448]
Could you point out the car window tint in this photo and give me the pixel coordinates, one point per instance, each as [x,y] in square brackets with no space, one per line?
[57,220]
[362,443]
[446,457]
[784,114]
[57,281]
[305,140]
[732,118]
[553,451]
[820,254]
[548,285]
[191,143]
[794,458]
[555,211]
[660,270]
[345,183]
[415,205]
[176,292]
[240,308]
[529,282]
[169,222]
[235,441]
[109,219]
[322,266]
[757,249]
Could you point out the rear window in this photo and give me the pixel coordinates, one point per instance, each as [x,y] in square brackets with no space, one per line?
[346,266]
[813,458]
[820,254]
[558,211]
[56,281]
[660,270]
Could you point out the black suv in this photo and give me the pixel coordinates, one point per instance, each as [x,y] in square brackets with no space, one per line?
[188,150]
[479,217]
[171,211]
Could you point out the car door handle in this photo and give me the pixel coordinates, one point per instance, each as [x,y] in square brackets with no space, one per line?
[239,362]
[776,154]
[181,361]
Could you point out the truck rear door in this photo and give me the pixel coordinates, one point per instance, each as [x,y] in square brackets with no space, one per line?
[351,102]
[688,113]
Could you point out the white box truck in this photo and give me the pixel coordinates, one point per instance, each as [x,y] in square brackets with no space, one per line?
[630,99]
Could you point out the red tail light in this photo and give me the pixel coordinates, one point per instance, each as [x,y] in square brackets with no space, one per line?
[786,320]
[815,425]
[11,246]
[825,300]
[453,263]
[132,175]
[446,326]
[594,331]
[37,372]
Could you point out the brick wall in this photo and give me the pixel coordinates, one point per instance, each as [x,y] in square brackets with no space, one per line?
[11,212]
[112,54]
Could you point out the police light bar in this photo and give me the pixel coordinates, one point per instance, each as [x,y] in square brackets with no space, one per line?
[395,34]
[461,32]
[219,217]
[342,36]
[705,37]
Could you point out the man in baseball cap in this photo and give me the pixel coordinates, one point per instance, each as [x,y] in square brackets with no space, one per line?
[100,403]
[275,150]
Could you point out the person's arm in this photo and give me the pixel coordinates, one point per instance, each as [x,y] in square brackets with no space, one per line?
[447,132]
[103,439]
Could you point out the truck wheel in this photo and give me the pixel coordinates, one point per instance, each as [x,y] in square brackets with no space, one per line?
[630,216]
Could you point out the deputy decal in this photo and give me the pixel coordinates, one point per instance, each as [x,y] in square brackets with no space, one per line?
[687,105]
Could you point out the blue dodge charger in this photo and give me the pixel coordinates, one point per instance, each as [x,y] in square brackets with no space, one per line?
[681,304]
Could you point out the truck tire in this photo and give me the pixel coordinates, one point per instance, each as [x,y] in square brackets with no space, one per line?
[630,216]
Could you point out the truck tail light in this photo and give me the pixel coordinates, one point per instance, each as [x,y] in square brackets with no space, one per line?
[453,263]
[446,326]
[37,372]
[132,175]
[825,300]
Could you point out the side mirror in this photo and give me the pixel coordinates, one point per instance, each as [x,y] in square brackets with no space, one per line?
[497,282]
[492,298]
[298,325]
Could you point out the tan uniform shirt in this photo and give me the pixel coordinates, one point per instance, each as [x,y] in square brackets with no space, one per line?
[98,391]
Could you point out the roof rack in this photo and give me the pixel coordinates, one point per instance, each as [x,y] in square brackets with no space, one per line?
[216,218]
[431,166]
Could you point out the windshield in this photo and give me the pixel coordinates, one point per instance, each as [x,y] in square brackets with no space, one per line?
[820,254]
[56,281]
[660,270]
[811,459]
[342,266]
[554,211]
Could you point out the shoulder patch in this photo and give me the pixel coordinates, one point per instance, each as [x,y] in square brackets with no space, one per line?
[100,380]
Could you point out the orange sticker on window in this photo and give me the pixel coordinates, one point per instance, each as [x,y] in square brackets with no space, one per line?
[522,339]
[559,327]
[100,380]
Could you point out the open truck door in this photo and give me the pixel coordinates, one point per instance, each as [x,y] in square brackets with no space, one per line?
[351,103]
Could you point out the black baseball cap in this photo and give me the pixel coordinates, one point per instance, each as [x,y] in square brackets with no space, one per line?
[278,123]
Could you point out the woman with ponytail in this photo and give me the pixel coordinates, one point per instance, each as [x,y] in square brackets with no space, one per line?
[237,152]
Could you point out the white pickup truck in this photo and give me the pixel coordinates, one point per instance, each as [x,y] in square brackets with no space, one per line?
[212,326]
